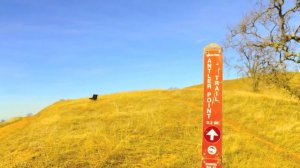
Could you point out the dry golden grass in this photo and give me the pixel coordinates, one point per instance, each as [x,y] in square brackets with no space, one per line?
[157,128]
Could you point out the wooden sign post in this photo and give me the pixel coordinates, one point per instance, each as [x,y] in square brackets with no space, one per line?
[212,107]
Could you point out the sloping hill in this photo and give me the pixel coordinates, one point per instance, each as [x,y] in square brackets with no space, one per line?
[13,120]
[157,128]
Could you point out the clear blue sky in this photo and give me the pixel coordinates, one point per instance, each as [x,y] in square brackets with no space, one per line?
[54,49]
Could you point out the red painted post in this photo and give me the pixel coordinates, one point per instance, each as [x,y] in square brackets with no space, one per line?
[212,107]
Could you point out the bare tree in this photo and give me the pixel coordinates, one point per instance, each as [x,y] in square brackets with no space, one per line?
[268,38]
[273,26]
[249,63]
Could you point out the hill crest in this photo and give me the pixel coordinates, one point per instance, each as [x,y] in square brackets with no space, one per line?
[155,128]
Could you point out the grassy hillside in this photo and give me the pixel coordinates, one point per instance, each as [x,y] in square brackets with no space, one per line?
[157,128]
[13,120]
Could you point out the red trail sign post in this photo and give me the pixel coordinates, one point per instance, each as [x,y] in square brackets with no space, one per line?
[212,107]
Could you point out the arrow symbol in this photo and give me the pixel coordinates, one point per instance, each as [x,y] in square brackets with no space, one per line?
[212,133]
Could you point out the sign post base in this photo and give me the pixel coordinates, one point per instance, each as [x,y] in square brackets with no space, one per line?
[211,163]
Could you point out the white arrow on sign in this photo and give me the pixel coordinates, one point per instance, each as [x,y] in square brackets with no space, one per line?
[212,133]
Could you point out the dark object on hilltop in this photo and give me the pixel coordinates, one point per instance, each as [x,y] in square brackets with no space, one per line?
[95,96]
